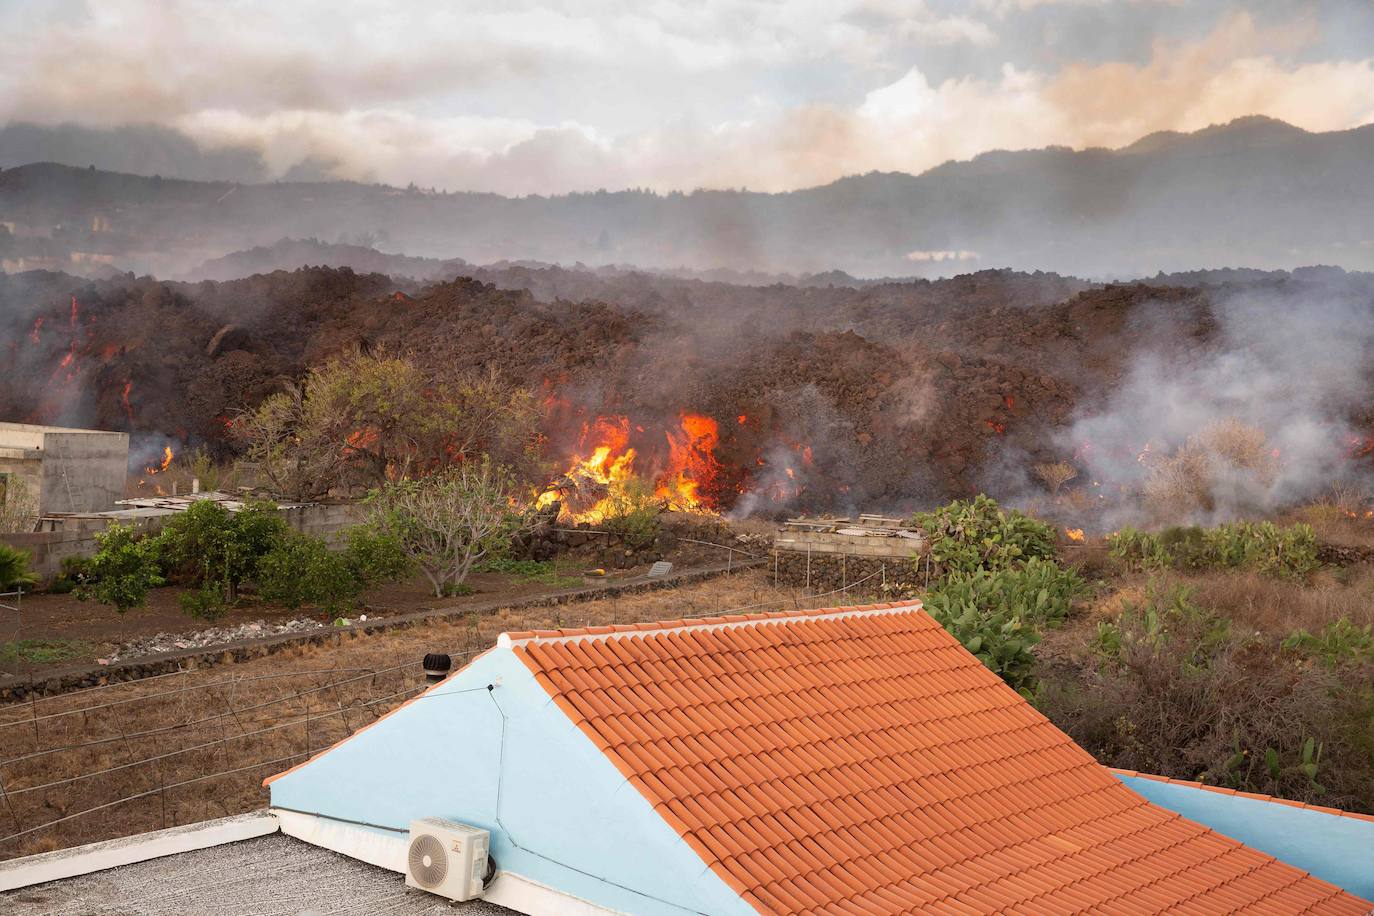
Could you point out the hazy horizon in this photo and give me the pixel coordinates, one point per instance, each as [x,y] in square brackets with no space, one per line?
[526,98]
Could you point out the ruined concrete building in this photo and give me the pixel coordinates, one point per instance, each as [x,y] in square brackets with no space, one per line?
[59,470]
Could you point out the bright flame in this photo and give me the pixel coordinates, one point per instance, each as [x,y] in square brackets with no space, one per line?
[691,463]
[166,461]
[1074,534]
[603,475]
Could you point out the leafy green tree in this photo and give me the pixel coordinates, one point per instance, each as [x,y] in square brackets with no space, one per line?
[360,420]
[214,550]
[450,520]
[122,570]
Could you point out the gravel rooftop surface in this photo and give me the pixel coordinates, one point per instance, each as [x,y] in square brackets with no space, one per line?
[272,875]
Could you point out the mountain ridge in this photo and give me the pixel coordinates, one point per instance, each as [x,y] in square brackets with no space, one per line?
[1255,192]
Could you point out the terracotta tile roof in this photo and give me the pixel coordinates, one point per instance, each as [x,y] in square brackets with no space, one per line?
[1258,796]
[860,761]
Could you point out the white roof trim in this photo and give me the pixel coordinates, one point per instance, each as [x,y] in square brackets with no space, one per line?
[84,860]
[505,641]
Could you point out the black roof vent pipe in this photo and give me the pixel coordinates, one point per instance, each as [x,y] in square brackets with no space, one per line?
[437,666]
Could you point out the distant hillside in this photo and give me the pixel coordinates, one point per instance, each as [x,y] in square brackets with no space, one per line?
[1255,193]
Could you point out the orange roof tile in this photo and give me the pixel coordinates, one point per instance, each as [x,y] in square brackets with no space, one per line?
[859,760]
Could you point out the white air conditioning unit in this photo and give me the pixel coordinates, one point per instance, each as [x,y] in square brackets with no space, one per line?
[447,858]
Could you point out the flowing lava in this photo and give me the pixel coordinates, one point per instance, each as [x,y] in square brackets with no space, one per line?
[607,474]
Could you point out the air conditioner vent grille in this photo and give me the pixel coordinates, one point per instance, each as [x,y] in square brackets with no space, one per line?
[428,861]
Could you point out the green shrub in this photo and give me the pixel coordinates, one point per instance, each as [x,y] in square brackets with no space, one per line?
[122,569]
[1335,642]
[1168,618]
[14,569]
[1139,550]
[632,512]
[1181,694]
[1039,592]
[375,555]
[1281,552]
[998,615]
[301,570]
[213,551]
[1263,546]
[968,535]
[1000,640]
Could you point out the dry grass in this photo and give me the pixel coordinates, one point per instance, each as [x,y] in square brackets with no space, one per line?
[1335,523]
[1277,606]
[1254,601]
[263,716]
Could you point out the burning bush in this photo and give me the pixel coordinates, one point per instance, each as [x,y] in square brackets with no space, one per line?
[362,419]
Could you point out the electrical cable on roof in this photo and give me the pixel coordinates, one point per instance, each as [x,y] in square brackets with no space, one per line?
[500,779]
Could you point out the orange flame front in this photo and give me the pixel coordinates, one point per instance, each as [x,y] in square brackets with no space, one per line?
[1074,534]
[607,472]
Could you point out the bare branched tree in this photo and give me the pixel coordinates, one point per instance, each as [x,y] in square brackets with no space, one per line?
[450,520]
[1055,474]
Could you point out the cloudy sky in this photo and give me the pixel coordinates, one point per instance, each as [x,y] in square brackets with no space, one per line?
[522,97]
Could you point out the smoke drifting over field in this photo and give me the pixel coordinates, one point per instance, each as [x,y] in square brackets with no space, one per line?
[1293,362]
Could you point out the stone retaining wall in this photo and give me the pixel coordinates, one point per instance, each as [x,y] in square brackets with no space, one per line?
[819,573]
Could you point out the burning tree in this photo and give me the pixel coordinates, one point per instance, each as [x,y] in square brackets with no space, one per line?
[450,520]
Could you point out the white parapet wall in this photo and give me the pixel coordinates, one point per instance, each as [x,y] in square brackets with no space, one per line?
[84,860]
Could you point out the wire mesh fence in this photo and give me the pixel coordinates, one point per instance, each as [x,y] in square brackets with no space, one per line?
[135,756]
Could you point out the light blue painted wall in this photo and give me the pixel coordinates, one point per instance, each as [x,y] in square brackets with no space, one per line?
[1336,849]
[595,836]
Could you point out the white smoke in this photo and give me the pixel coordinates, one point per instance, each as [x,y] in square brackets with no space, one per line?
[1292,361]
